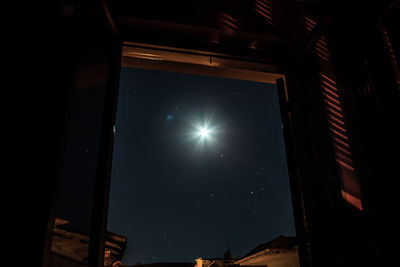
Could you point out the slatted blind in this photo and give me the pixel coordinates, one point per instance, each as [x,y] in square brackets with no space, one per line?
[263,8]
[338,126]
[389,49]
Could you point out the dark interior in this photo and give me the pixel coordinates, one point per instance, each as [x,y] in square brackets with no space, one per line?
[340,111]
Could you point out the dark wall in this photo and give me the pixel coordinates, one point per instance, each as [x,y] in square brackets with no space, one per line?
[61,50]
[43,78]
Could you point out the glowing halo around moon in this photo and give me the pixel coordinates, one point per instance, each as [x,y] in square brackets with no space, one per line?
[204,134]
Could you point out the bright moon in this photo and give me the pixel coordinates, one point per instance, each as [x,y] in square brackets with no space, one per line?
[204,132]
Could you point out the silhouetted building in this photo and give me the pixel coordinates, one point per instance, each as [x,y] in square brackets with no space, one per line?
[280,252]
[166,264]
[71,248]
[213,262]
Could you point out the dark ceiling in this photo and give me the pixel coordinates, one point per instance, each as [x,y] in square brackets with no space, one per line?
[243,28]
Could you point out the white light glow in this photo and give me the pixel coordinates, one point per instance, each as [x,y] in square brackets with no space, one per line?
[204,132]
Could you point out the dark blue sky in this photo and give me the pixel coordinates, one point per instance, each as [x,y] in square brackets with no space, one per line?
[176,201]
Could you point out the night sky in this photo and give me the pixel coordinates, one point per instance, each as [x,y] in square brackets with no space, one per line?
[177,195]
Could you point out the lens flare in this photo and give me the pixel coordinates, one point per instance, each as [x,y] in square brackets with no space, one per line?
[204,133]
